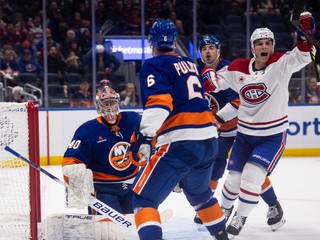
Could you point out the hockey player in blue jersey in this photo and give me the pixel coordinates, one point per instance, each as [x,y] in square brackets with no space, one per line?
[224,105]
[262,83]
[95,160]
[177,118]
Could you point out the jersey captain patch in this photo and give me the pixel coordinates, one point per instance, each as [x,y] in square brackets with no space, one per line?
[117,156]
[254,93]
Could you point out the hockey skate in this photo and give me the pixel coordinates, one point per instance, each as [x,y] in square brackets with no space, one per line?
[227,212]
[221,235]
[275,217]
[197,219]
[236,225]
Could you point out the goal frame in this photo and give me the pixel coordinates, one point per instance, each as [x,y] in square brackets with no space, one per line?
[34,175]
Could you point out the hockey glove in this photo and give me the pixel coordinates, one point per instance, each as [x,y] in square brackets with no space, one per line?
[209,78]
[219,120]
[80,185]
[140,149]
[308,24]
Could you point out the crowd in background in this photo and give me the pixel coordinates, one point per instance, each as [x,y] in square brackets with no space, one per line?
[69,33]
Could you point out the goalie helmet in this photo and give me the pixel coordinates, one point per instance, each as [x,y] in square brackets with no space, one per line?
[261,33]
[163,35]
[107,103]
[207,40]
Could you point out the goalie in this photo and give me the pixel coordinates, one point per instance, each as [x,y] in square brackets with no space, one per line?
[95,161]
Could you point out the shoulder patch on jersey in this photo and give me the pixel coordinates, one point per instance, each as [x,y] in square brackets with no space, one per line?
[241,65]
[274,57]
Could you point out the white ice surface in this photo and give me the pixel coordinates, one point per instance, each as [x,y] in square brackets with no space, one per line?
[295,180]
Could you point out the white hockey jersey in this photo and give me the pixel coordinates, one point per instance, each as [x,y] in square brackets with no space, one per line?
[263,94]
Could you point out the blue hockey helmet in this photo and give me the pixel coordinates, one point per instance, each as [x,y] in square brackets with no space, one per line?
[163,35]
[207,40]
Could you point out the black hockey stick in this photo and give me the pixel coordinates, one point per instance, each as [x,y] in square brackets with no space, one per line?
[298,8]
[95,204]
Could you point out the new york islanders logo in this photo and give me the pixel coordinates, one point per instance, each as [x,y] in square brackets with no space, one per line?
[254,93]
[213,103]
[117,156]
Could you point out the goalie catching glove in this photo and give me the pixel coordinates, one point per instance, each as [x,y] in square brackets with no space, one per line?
[210,79]
[140,149]
[308,24]
[80,185]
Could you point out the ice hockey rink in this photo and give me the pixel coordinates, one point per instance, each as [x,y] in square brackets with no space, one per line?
[295,180]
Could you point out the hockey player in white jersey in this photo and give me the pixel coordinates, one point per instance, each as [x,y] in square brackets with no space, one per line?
[262,83]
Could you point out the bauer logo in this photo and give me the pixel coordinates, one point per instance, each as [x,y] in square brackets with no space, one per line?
[114,216]
[304,128]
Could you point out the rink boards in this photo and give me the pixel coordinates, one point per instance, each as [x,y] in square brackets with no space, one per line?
[57,127]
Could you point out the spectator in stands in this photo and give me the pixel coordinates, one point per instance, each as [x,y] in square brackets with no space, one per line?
[16,95]
[129,97]
[27,64]
[71,37]
[312,91]
[177,22]
[9,66]
[106,62]
[9,34]
[85,40]
[56,63]
[101,13]
[74,64]
[134,21]
[104,82]
[36,27]
[83,97]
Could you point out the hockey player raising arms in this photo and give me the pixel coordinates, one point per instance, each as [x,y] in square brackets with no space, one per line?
[96,155]
[224,105]
[262,84]
[177,115]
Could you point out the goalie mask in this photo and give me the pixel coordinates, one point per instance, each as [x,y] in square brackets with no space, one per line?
[107,103]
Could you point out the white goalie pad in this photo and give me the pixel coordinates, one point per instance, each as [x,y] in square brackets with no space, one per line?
[90,227]
[80,187]
[86,227]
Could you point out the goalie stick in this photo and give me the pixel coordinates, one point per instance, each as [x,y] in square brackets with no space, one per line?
[298,8]
[95,203]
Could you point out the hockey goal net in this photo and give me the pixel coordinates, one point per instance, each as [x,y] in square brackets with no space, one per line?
[19,183]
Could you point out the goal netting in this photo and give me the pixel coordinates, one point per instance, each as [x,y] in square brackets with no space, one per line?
[19,183]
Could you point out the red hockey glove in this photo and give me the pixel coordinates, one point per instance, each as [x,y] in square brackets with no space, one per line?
[140,149]
[308,24]
[209,77]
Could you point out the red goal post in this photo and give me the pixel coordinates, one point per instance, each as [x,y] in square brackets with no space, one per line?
[20,208]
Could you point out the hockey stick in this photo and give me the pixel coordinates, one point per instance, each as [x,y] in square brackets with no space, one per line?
[95,204]
[298,8]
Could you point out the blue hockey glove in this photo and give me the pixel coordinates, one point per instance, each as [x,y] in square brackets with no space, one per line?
[308,24]
[140,149]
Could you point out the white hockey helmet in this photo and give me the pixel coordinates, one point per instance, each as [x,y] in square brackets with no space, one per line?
[261,33]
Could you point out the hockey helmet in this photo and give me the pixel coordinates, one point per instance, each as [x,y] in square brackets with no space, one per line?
[107,103]
[261,33]
[163,35]
[207,40]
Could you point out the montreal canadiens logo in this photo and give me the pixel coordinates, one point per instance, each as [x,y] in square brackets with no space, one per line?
[117,156]
[254,93]
[213,103]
